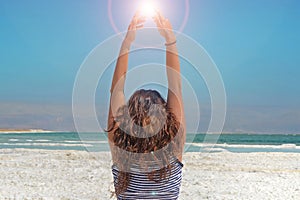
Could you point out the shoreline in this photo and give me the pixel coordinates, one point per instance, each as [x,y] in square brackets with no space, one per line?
[212,133]
[25,131]
[69,174]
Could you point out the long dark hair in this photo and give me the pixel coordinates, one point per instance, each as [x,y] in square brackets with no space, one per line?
[144,125]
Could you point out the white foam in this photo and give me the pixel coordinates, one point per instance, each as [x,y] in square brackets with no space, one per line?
[95,142]
[288,146]
[284,146]
[26,131]
[71,141]
[86,141]
[46,144]
[13,140]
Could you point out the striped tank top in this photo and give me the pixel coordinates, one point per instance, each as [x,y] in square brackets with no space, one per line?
[141,187]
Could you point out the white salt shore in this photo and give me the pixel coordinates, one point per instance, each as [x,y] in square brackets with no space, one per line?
[49,174]
[25,131]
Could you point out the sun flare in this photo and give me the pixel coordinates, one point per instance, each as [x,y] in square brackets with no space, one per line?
[148,8]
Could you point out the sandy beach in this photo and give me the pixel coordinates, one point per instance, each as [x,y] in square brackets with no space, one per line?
[62,174]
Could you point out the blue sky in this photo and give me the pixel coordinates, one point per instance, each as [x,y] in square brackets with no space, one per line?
[255,45]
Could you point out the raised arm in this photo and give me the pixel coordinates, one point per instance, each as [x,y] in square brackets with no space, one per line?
[117,98]
[174,101]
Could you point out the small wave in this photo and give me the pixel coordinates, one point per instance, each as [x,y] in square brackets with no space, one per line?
[213,150]
[86,141]
[72,141]
[204,145]
[42,140]
[13,140]
[94,142]
[288,146]
[47,144]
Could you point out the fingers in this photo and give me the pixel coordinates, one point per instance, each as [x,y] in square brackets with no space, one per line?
[134,26]
[137,14]
[160,16]
[160,20]
[157,22]
[137,21]
[140,20]
[137,25]
[140,26]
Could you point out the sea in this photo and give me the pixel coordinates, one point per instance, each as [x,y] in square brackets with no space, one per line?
[97,142]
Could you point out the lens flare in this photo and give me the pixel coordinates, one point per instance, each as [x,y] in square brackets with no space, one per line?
[148,8]
[114,10]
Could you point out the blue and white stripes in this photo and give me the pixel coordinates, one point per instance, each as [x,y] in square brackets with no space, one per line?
[141,187]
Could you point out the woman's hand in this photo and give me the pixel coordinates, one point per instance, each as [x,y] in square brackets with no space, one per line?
[164,27]
[136,23]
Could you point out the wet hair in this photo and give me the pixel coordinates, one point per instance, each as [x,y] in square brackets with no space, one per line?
[144,125]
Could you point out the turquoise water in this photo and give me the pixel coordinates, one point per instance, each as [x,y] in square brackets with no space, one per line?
[255,139]
[98,142]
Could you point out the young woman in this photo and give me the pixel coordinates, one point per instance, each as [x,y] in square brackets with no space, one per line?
[147,134]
